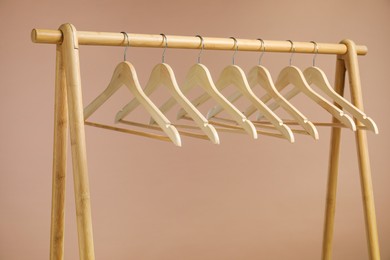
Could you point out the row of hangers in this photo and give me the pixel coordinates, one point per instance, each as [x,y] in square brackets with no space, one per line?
[266,123]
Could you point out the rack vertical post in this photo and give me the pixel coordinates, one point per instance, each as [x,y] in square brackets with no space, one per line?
[352,66]
[68,60]
[349,63]
[59,160]
[334,157]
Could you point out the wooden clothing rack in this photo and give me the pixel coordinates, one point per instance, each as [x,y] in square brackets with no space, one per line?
[69,113]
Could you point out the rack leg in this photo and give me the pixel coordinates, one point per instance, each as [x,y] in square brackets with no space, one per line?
[351,62]
[77,136]
[334,156]
[59,162]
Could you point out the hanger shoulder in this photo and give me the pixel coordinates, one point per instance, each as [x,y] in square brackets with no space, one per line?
[130,79]
[156,78]
[115,83]
[255,77]
[259,75]
[132,83]
[203,78]
[224,81]
[187,86]
[152,84]
[316,76]
[125,74]
[168,79]
[190,81]
[252,77]
[283,80]
[197,75]
[218,109]
[234,75]
[292,75]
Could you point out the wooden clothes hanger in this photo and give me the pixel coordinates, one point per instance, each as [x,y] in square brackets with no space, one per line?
[199,75]
[315,76]
[233,75]
[162,74]
[292,75]
[125,74]
[259,75]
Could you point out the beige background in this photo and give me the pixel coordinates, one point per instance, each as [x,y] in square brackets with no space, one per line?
[243,199]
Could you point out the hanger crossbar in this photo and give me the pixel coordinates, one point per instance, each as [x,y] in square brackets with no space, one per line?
[190,42]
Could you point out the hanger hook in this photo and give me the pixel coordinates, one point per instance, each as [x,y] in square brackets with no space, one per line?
[165,39]
[292,50]
[236,48]
[201,50]
[315,52]
[262,47]
[126,36]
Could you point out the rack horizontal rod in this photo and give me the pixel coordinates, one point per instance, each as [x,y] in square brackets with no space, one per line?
[189,42]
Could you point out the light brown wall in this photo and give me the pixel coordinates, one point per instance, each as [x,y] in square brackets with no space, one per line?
[243,199]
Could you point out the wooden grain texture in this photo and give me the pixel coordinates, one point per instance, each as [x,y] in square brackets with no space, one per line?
[189,42]
[334,157]
[57,227]
[351,62]
[77,136]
